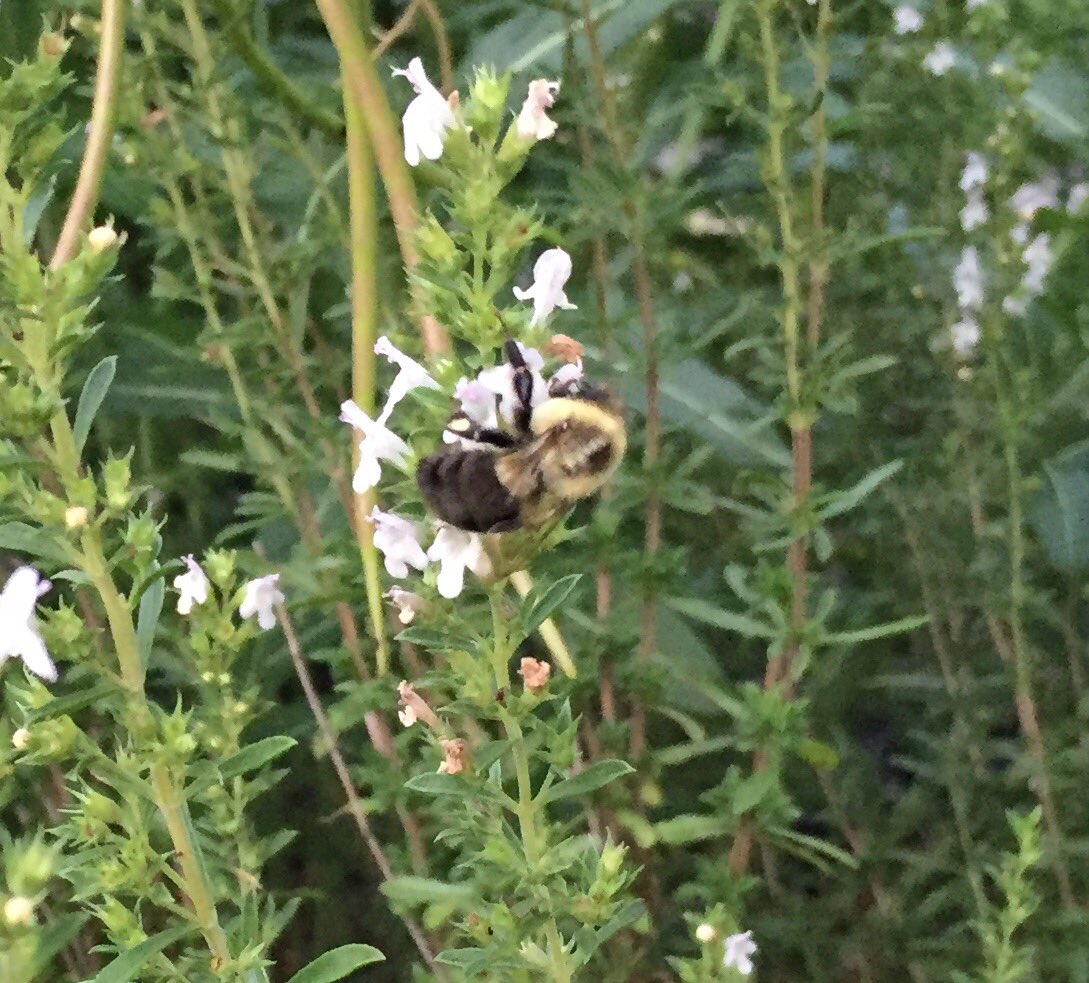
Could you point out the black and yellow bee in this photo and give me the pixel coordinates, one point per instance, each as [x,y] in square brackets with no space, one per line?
[563,449]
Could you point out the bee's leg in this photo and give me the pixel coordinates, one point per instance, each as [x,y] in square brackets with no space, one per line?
[507,525]
[523,386]
[461,425]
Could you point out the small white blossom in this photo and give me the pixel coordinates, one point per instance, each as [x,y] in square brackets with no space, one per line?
[966,336]
[1038,259]
[1016,304]
[974,174]
[968,280]
[398,541]
[477,401]
[408,604]
[571,372]
[942,57]
[1079,194]
[101,238]
[975,211]
[410,375]
[499,380]
[740,949]
[192,586]
[906,19]
[532,120]
[19,638]
[18,910]
[378,444]
[706,933]
[427,117]
[20,739]
[1028,199]
[550,274]
[456,551]
[261,597]
[1019,234]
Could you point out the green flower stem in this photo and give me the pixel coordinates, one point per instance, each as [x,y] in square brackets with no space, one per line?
[533,840]
[363,237]
[100,137]
[165,789]
[269,74]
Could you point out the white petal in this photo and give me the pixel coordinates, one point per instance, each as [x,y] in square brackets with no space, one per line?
[31,649]
[20,595]
[368,474]
[266,617]
[451,579]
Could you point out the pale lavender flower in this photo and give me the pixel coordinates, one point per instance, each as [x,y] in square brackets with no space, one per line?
[408,604]
[398,541]
[740,949]
[1028,199]
[968,280]
[191,585]
[427,117]
[456,551]
[942,57]
[550,274]
[532,120]
[410,375]
[19,638]
[906,19]
[261,597]
[379,444]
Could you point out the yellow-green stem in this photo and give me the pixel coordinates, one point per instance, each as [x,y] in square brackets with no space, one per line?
[100,135]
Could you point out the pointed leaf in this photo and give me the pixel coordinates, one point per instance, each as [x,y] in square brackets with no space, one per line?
[126,967]
[338,963]
[94,391]
[589,779]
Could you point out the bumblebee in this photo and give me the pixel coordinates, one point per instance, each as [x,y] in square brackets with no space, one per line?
[563,449]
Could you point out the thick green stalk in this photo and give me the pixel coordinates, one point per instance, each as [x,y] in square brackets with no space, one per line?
[100,135]
[363,211]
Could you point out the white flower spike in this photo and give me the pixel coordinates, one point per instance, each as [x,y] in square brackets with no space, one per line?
[975,211]
[19,638]
[398,542]
[740,949]
[427,117]
[1028,199]
[533,122]
[261,597]
[192,586]
[457,551]
[942,57]
[968,280]
[410,375]
[966,336]
[906,19]
[550,274]
[378,444]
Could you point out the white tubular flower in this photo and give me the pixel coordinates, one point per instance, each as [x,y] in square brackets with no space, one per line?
[565,374]
[1038,259]
[398,542]
[906,19]
[740,949]
[408,603]
[532,120]
[378,444]
[1079,194]
[192,586]
[427,117]
[410,375]
[1028,199]
[968,280]
[261,597]
[975,211]
[477,401]
[550,274]
[457,551]
[974,174]
[966,336]
[942,57]
[499,380]
[19,638]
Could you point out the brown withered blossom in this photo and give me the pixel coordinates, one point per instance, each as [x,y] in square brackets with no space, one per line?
[455,756]
[535,674]
[564,347]
[414,707]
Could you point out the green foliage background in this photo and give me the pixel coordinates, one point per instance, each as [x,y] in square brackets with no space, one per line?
[880,826]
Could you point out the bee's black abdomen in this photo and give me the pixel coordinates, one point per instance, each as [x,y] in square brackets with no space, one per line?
[461,488]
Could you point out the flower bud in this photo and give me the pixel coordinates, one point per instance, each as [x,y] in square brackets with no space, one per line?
[117,476]
[706,933]
[20,739]
[18,910]
[101,238]
[53,45]
[75,517]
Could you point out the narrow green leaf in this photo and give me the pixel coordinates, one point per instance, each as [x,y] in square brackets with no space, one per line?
[589,779]
[432,783]
[436,641]
[94,391]
[338,963]
[899,627]
[427,890]
[701,610]
[256,755]
[19,537]
[851,498]
[690,829]
[151,606]
[126,967]
[539,604]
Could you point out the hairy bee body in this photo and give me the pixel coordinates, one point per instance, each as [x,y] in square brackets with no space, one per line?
[571,447]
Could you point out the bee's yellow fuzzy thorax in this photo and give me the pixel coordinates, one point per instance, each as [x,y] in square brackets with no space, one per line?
[562,410]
